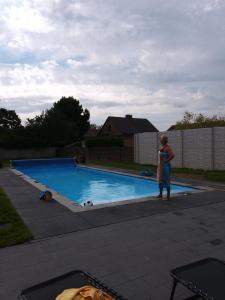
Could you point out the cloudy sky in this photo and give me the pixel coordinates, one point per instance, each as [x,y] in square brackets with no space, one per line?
[149,58]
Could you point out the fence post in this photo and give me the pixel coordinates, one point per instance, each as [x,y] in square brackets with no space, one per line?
[182,148]
[157,145]
[135,148]
[138,150]
[212,148]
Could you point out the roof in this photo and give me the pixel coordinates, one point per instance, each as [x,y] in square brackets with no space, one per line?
[172,127]
[129,125]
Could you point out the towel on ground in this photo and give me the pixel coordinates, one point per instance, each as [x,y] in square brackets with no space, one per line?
[83,293]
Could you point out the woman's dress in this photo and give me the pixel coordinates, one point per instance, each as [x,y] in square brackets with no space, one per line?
[164,167]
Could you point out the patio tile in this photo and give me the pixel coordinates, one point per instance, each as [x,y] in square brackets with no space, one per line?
[131,248]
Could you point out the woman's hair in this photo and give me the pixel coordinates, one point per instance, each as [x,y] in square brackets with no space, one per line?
[164,139]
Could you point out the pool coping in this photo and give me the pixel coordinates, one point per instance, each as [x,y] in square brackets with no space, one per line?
[75,207]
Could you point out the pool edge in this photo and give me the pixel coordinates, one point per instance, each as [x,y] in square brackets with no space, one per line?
[75,207]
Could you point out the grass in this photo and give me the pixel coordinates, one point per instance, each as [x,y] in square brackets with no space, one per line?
[12,229]
[217,176]
[4,163]
[122,165]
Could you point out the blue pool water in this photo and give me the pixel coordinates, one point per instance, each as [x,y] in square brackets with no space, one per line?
[80,184]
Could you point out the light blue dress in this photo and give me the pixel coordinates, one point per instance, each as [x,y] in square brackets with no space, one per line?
[166,169]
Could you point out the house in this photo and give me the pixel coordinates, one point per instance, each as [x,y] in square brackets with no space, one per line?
[92,132]
[172,127]
[126,127]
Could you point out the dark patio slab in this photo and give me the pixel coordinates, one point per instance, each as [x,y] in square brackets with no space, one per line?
[132,254]
[133,257]
[51,219]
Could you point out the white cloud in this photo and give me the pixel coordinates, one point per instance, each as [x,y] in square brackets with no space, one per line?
[151,58]
[21,16]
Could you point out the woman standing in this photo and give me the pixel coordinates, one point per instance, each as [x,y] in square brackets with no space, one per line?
[164,167]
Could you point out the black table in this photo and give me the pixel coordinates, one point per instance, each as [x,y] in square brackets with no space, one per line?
[50,289]
[205,278]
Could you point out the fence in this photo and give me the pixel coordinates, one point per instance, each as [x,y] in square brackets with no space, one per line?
[70,151]
[111,153]
[194,148]
[98,152]
[27,153]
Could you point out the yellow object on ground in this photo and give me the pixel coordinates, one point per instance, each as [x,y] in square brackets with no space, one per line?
[84,293]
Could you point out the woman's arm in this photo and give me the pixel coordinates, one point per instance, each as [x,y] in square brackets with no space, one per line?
[171,154]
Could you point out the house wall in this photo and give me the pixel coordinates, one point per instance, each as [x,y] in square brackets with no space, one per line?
[106,131]
[202,148]
[128,141]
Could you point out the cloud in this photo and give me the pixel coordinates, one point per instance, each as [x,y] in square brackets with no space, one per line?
[152,59]
[26,18]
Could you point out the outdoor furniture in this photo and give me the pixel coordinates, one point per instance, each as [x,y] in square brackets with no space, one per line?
[50,289]
[205,278]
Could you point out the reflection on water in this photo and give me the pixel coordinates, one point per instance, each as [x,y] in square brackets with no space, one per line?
[82,184]
[104,191]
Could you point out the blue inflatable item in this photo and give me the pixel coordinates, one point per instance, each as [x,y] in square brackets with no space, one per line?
[147,172]
[43,195]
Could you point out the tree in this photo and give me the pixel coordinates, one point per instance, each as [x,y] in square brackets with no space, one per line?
[95,126]
[9,120]
[191,120]
[36,121]
[10,128]
[64,123]
[34,131]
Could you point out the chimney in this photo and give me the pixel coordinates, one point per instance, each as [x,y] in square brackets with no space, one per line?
[128,116]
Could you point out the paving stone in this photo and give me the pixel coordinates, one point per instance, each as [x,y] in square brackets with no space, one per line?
[132,249]
[37,214]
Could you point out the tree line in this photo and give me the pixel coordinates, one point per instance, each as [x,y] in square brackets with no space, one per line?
[191,121]
[64,123]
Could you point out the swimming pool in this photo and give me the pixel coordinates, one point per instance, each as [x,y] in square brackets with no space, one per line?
[81,184]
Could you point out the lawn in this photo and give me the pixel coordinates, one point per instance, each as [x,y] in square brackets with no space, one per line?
[217,176]
[4,163]
[12,229]
[121,165]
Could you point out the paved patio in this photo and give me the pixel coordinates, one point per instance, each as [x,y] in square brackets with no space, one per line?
[131,248]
